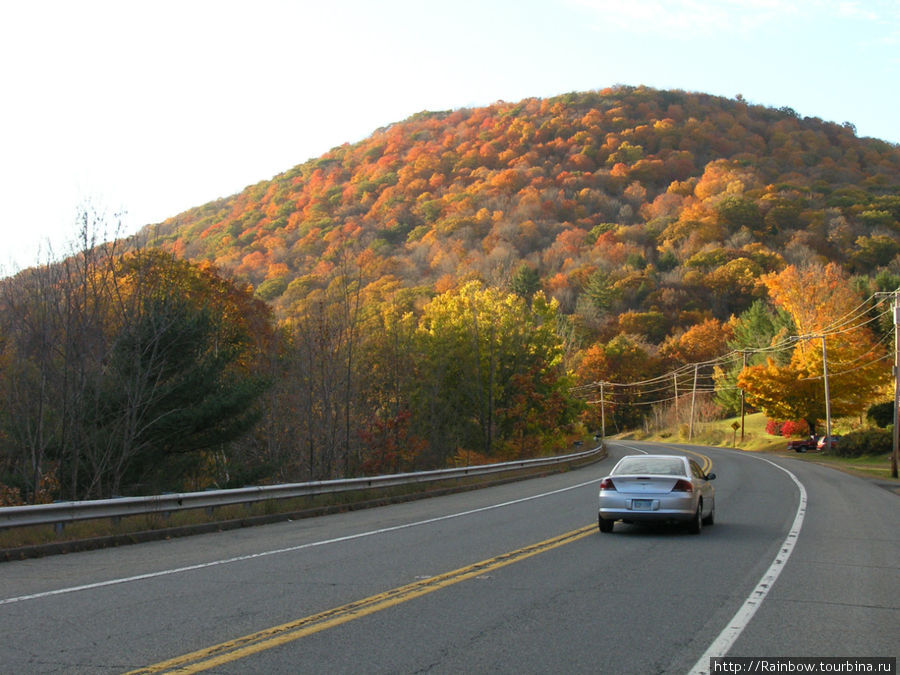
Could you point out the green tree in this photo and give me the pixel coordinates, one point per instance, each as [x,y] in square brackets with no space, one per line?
[602,290]
[881,413]
[181,375]
[873,252]
[526,282]
[167,394]
[476,345]
[756,335]
[737,212]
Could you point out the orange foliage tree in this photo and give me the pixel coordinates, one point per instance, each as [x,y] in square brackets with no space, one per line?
[622,360]
[826,311]
[702,342]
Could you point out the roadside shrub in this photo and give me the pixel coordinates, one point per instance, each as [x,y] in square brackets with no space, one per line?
[881,414]
[10,496]
[865,442]
[793,428]
[788,428]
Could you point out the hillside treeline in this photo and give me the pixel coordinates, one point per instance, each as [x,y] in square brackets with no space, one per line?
[641,212]
[134,372]
[120,371]
[454,289]
[653,218]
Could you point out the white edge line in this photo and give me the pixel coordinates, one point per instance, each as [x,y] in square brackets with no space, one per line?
[199,566]
[739,621]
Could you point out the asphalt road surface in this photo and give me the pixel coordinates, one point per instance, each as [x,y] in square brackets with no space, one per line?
[802,561]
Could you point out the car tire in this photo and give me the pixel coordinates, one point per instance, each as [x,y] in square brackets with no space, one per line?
[711,518]
[696,524]
[605,525]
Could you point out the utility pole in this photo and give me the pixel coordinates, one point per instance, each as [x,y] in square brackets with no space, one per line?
[675,376]
[602,415]
[693,399]
[827,398]
[895,452]
[743,366]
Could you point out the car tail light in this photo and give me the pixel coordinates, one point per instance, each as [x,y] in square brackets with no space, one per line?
[607,484]
[682,485]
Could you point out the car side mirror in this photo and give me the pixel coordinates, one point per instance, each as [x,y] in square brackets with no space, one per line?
[710,476]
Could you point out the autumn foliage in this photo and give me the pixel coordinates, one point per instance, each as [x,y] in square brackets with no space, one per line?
[458,286]
[654,219]
[681,202]
[819,299]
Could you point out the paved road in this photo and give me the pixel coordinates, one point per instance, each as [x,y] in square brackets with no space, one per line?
[514,578]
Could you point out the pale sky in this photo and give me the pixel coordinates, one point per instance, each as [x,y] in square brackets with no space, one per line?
[150,108]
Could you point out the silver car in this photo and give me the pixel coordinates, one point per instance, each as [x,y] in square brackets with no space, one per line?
[657,488]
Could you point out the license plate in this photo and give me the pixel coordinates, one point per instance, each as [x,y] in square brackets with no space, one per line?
[642,504]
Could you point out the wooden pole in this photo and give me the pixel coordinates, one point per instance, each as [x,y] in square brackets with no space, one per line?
[827,398]
[693,400]
[744,355]
[895,452]
[602,415]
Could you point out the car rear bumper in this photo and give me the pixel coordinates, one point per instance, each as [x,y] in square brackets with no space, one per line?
[635,507]
[648,516]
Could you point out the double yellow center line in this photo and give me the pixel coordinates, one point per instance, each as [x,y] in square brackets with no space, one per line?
[254,643]
[705,462]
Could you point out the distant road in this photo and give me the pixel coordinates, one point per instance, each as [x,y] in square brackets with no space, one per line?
[510,579]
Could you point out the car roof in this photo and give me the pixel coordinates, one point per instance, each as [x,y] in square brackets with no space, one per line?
[683,458]
[657,456]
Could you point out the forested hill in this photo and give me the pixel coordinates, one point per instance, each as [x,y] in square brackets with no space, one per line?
[459,288]
[641,211]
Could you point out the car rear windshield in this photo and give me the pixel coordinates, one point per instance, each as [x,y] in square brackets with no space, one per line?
[658,466]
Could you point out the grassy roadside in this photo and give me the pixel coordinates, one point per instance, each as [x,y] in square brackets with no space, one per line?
[721,434]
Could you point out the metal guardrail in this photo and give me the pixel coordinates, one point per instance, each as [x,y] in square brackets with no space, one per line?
[60,513]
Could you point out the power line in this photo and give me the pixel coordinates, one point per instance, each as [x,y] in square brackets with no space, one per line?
[786,344]
[706,383]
